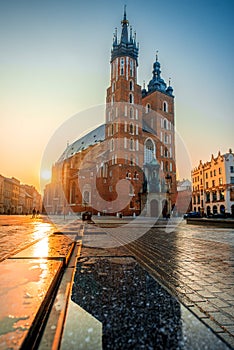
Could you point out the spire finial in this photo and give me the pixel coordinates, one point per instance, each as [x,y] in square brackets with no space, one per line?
[144,84]
[169,81]
[124,21]
[157,56]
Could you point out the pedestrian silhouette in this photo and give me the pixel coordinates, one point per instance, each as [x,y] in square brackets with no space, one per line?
[33,213]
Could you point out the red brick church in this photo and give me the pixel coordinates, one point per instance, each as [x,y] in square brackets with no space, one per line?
[126,165]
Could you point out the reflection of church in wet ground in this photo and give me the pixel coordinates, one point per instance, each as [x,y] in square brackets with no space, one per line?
[128,164]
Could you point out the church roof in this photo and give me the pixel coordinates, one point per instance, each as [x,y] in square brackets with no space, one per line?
[92,138]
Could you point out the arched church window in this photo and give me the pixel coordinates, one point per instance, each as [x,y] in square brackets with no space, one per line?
[131,68]
[148,107]
[165,106]
[86,197]
[131,113]
[131,129]
[131,99]
[112,145]
[131,144]
[165,124]
[122,66]
[131,85]
[148,151]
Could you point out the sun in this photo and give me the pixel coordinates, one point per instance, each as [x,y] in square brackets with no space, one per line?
[46,174]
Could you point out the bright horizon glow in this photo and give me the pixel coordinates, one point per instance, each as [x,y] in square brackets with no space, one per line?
[46,174]
[55,63]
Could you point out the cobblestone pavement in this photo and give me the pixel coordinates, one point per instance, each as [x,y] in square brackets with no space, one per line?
[20,231]
[196,264]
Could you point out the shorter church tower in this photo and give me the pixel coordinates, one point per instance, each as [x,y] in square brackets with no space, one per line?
[158,102]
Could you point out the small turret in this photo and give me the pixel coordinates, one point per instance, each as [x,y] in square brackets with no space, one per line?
[157,83]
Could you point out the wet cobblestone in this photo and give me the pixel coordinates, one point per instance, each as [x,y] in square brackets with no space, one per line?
[196,265]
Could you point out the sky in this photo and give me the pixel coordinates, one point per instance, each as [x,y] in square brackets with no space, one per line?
[54,64]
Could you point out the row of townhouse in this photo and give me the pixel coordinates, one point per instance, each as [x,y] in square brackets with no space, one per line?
[213,185]
[16,198]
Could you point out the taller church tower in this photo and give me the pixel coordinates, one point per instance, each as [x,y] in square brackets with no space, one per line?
[124,116]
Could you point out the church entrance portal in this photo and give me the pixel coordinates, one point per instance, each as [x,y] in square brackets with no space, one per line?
[154,208]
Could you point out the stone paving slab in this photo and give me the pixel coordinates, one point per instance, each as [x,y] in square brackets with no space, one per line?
[51,247]
[25,289]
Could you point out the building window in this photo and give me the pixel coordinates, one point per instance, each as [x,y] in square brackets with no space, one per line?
[232,180]
[135,176]
[221,195]
[213,183]
[148,151]
[131,144]
[131,85]
[122,66]
[131,129]
[131,100]
[86,197]
[214,172]
[214,196]
[131,113]
[220,171]
[231,169]
[131,68]
[147,108]
[165,124]
[220,180]
[211,174]
[165,106]
[128,175]
[206,175]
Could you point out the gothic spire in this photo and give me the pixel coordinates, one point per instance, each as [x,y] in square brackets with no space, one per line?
[127,45]
[125,23]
